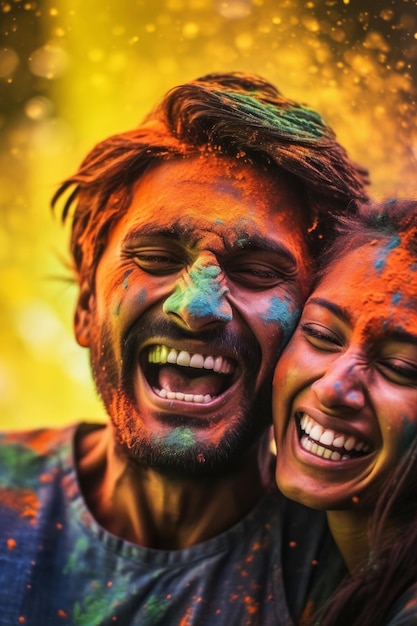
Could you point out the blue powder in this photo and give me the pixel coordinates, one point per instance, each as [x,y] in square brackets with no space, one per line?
[381,259]
[180,438]
[125,278]
[409,432]
[396,298]
[280,311]
[141,298]
[202,297]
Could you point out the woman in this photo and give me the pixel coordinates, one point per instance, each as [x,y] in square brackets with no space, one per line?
[345,406]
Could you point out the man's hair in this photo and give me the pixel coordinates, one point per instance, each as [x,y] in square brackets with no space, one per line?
[232,114]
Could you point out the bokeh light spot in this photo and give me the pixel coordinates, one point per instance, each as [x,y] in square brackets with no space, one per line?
[9,61]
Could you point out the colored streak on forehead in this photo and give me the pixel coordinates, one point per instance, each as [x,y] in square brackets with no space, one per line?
[378,285]
[384,252]
[399,271]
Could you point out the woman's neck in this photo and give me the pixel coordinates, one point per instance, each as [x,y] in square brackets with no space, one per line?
[350,532]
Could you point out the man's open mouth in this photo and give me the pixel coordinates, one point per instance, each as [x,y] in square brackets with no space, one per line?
[327,443]
[188,377]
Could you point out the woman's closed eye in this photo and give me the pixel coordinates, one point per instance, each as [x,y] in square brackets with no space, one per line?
[321,337]
[398,370]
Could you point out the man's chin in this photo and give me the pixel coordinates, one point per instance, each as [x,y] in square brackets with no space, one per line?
[184,447]
[190,462]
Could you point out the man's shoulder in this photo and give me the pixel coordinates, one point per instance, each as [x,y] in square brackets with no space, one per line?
[39,441]
[28,456]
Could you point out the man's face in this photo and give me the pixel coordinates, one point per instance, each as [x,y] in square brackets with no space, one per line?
[199,288]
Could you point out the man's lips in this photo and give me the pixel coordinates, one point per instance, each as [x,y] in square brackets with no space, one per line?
[327,443]
[185,376]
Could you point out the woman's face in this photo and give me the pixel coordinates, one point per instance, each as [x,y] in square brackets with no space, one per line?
[345,388]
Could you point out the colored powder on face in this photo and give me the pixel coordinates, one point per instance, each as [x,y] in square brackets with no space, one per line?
[180,437]
[126,278]
[384,251]
[337,386]
[142,296]
[201,296]
[116,308]
[280,311]
[409,432]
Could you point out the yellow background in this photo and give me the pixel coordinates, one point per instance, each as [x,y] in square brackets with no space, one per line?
[75,71]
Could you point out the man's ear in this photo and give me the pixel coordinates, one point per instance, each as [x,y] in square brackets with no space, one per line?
[82,316]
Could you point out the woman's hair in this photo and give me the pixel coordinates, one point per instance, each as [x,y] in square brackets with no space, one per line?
[374,221]
[367,596]
[233,114]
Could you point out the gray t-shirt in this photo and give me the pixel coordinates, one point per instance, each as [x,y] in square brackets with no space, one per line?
[59,566]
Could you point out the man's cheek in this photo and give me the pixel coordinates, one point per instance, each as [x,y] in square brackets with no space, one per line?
[282,312]
[125,302]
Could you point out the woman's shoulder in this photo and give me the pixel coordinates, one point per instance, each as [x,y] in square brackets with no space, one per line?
[404,612]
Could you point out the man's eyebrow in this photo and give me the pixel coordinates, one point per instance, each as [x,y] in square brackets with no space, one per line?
[186,234]
[173,231]
[336,309]
[263,244]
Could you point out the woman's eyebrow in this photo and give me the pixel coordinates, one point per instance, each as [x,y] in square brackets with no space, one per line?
[403,336]
[334,308]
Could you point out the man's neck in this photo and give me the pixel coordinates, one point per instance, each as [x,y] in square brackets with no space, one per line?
[150,509]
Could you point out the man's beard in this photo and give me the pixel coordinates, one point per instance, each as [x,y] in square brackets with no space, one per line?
[179,455]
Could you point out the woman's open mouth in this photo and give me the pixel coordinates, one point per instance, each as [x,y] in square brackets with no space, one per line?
[327,443]
[185,376]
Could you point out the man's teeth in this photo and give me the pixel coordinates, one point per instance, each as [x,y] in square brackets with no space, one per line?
[321,441]
[207,364]
[185,397]
[160,354]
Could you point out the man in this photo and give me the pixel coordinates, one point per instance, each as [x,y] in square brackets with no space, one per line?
[191,247]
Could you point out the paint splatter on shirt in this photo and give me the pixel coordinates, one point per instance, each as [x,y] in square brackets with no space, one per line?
[58,566]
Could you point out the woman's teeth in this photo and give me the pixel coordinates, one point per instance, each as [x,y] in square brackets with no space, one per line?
[328,444]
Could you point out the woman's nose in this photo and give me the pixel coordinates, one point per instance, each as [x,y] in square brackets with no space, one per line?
[342,384]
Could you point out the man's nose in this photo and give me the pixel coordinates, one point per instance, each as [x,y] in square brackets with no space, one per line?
[200,298]
[342,384]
